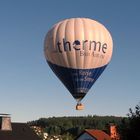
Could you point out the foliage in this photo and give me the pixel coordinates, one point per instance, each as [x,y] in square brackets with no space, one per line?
[130,127]
[70,127]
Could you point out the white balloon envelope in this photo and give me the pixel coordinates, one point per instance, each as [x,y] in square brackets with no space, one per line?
[78,50]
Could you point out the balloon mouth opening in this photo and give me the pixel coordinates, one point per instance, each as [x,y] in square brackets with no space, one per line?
[79,96]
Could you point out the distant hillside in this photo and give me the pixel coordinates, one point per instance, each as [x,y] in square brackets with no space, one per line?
[74,125]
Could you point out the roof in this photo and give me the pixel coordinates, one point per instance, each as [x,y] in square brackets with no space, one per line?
[98,134]
[20,131]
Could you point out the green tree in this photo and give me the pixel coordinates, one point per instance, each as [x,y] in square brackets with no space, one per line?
[130,127]
[73,125]
[67,136]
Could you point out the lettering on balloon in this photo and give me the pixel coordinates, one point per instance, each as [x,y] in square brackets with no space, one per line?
[83,75]
[85,47]
[94,54]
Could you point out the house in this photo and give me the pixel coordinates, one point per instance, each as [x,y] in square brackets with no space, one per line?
[40,132]
[15,131]
[92,134]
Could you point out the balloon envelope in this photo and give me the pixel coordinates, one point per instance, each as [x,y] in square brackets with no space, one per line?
[78,50]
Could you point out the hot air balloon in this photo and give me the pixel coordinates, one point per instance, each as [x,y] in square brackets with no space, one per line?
[78,50]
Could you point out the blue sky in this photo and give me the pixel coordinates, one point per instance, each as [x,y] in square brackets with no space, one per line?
[29,89]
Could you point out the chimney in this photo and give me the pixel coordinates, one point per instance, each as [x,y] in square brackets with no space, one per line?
[113,132]
[5,122]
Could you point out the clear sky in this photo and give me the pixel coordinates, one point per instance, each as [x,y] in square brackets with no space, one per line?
[29,89]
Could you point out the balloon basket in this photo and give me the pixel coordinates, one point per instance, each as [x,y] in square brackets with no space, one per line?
[79,106]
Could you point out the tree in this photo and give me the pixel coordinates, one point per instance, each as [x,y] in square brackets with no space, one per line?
[74,125]
[130,127]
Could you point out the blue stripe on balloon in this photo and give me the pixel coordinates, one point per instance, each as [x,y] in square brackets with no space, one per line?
[77,81]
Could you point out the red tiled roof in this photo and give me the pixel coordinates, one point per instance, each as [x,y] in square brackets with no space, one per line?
[98,134]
